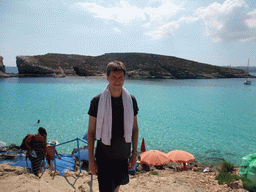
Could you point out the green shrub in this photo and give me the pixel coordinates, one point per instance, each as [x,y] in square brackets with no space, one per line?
[227,167]
[249,185]
[154,173]
[225,177]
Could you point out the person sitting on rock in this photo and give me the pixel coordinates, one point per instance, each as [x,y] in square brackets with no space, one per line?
[196,168]
[184,167]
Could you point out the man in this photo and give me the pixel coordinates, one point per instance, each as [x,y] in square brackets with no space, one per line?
[113,121]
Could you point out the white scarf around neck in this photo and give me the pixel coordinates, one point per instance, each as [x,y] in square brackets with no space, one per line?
[104,116]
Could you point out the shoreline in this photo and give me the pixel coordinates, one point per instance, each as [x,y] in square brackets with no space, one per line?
[209,161]
[101,76]
[13,150]
[212,160]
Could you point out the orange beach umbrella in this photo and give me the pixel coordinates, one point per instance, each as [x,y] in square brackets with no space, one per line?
[179,156]
[154,158]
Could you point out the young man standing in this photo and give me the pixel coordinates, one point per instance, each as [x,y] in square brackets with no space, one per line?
[113,121]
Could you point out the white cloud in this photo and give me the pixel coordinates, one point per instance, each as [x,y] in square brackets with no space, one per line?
[252,21]
[117,30]
[163,30]
[168,28]
[160,24]
[228,21]
[147,25]
[164,12]
[123,12]
[189,19]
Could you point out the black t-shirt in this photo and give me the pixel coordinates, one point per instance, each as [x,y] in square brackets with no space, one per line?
[118,149]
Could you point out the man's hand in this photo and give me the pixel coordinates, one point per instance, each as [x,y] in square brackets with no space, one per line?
[132,161]
[93,167]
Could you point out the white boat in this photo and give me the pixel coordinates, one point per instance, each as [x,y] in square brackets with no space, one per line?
[247,81]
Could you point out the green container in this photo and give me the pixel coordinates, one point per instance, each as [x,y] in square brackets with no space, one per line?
[251,175]
[244,166]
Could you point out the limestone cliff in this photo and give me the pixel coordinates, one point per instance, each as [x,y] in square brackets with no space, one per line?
[3,73]
[139,65]
[2,67]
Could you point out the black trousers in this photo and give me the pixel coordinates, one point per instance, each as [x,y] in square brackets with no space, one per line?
[111,173]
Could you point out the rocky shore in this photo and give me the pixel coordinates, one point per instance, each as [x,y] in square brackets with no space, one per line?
[139,66]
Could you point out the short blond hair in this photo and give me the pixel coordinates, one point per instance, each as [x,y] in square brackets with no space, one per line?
[115,66]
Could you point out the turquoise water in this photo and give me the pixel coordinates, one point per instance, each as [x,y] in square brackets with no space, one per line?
[212,119]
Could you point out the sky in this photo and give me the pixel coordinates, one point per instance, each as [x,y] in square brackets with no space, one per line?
[216,32]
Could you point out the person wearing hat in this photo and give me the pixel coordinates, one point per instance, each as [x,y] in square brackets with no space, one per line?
[50,154]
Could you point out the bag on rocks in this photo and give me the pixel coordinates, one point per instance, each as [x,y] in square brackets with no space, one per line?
[23,145]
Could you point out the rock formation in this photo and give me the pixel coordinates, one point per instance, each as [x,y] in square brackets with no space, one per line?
[139,65]
[2,70]
[2,67]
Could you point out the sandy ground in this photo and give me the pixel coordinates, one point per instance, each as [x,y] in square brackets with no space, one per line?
[17,179]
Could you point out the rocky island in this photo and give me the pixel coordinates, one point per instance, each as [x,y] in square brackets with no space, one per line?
[139,66]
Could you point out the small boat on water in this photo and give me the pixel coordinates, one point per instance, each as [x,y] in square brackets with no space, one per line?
[247,81]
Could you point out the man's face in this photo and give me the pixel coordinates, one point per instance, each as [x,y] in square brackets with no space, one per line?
[116,80]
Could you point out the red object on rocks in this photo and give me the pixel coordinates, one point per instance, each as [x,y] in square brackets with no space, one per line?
[143,147]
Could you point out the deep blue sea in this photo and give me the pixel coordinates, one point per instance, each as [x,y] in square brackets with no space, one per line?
[212,119]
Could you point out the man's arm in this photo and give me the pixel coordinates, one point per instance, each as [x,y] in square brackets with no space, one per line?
[135,135]
[91,140]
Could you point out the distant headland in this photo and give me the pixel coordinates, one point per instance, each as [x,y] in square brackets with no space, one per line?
[139,66]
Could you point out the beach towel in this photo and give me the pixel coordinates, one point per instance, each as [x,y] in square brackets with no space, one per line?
[104,116]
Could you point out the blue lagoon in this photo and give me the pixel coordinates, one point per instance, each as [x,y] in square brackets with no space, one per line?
[212,119]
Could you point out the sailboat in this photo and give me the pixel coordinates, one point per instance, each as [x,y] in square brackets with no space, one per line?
[247,81]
